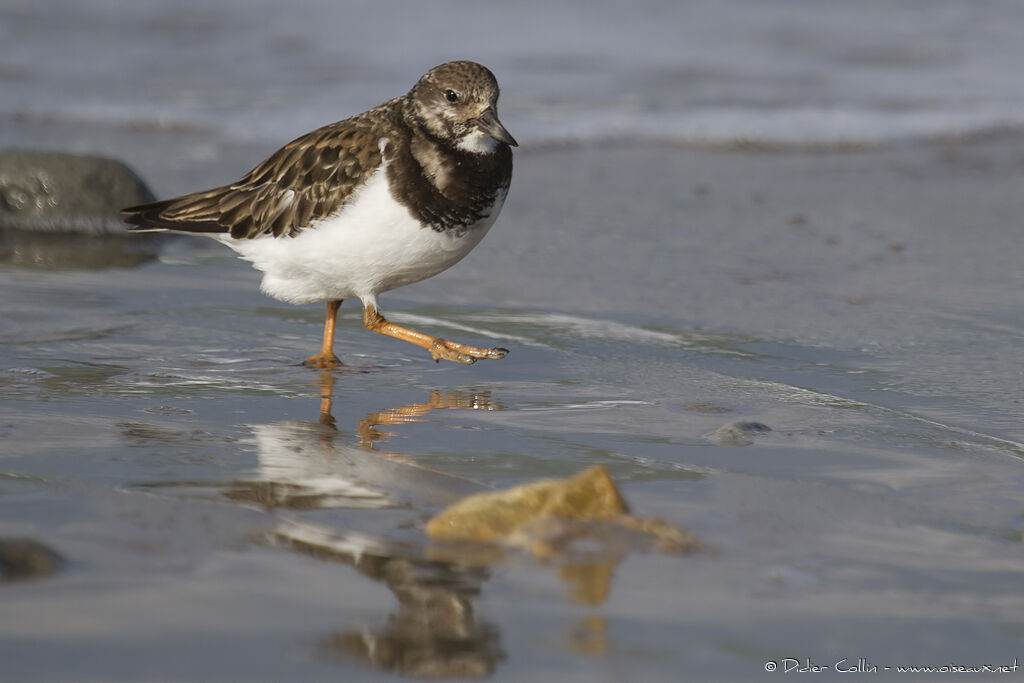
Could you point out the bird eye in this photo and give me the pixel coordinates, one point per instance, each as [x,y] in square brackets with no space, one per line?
[451,95]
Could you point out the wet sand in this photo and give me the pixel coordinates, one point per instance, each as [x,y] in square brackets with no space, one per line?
[863,305]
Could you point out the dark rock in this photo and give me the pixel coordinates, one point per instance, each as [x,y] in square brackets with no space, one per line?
[24,558]
[56,192]
[62,210]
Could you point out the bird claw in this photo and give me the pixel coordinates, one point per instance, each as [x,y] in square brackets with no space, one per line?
[460,353]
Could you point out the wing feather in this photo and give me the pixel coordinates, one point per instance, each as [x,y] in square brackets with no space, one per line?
[308,179]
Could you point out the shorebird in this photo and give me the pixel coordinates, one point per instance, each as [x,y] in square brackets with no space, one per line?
[383,199]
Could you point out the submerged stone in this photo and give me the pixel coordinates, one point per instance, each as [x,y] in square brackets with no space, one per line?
[739,433]
[495,515]
[582,520]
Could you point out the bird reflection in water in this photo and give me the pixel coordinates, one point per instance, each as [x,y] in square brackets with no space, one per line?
[434,632]
[305,465]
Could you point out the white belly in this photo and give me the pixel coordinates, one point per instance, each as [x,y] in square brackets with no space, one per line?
[372,245]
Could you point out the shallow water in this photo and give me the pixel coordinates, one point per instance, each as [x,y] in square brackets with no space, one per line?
[221,521]
[158,434]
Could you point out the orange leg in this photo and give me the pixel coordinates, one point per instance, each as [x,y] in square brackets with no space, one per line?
[326,397]
[326,357]
[438,348]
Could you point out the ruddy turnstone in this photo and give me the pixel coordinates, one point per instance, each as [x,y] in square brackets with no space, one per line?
[379,200]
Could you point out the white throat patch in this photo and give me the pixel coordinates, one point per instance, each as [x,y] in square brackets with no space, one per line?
[478,142]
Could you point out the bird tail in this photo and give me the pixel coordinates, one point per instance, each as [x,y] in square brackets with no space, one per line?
[183,214]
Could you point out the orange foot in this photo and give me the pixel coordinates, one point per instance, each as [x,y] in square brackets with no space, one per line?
[462,353]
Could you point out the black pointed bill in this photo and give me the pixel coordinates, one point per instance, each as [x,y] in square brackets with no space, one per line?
[489,123]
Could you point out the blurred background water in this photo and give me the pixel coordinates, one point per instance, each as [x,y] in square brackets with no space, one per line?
[775,71]
[760,259]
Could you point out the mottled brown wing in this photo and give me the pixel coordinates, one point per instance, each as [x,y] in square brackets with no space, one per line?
[307,179]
